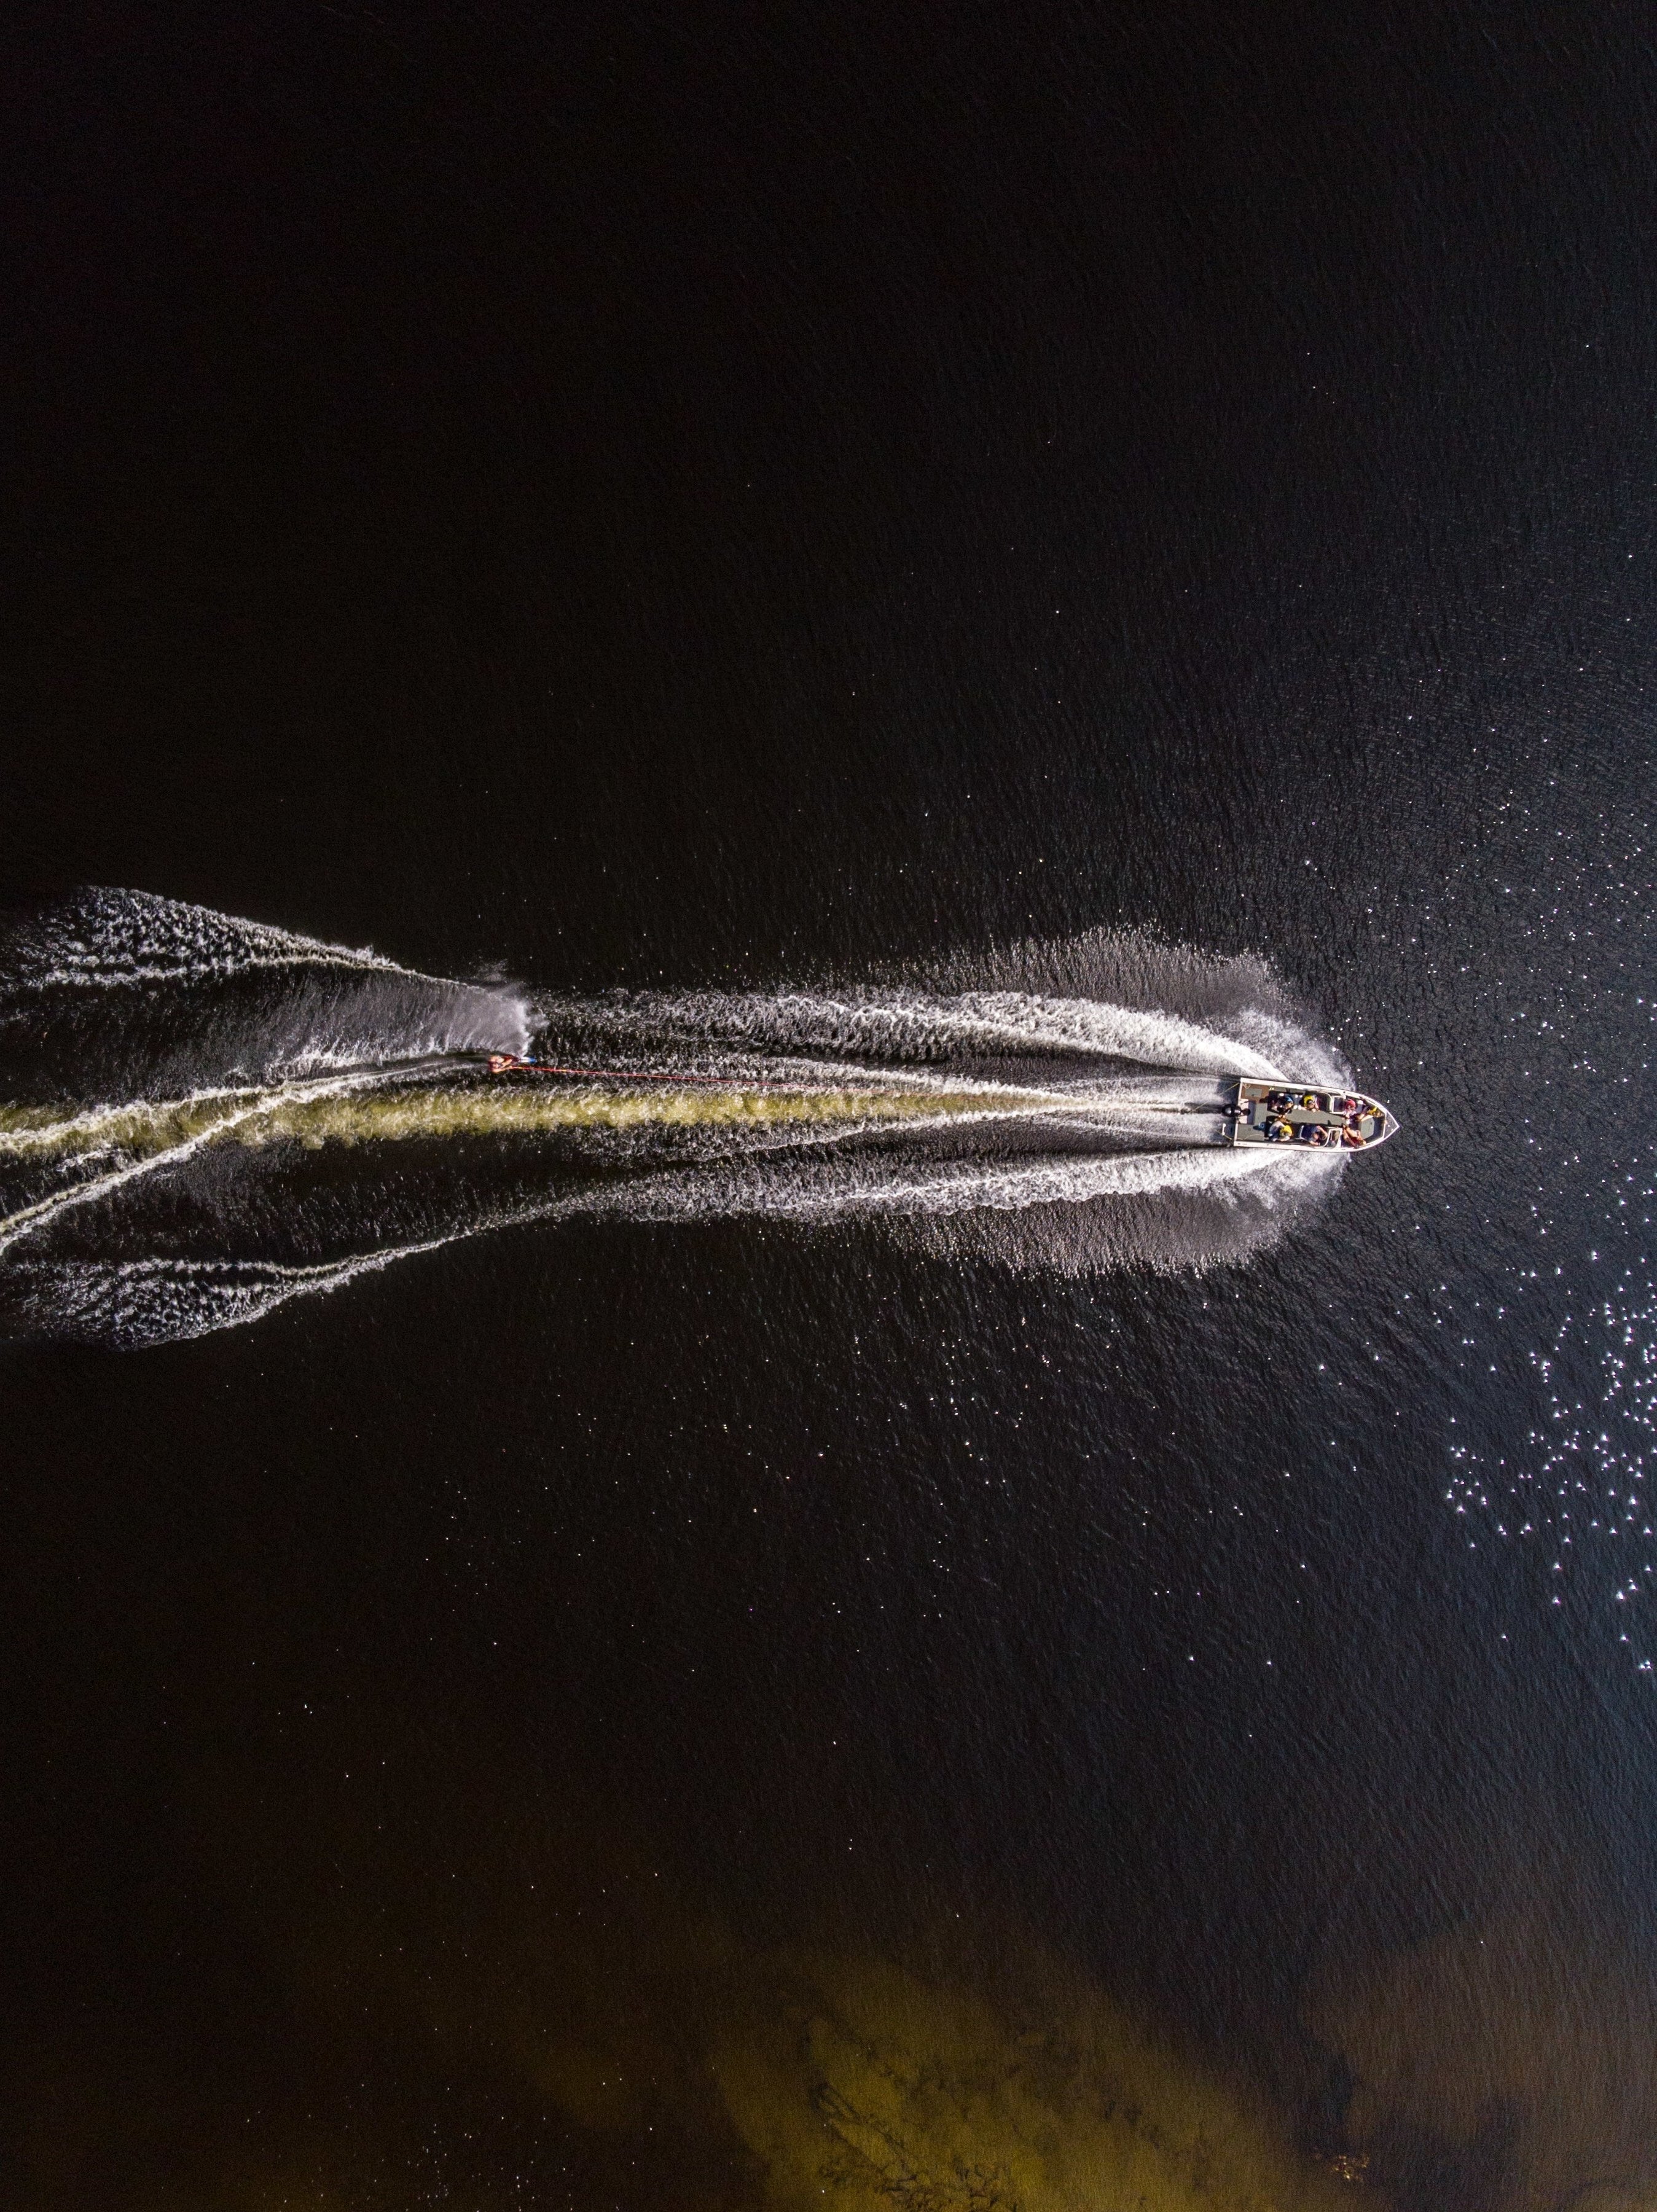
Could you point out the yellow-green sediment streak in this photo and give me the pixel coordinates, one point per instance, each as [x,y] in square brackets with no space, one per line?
[315,1117]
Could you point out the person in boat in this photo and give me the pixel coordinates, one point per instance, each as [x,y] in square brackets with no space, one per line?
[1280,1133]
[1353,1135]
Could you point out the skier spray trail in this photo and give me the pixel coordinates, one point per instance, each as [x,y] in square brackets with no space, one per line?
[201,1118]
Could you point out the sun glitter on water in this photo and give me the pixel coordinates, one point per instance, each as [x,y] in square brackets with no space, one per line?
[1581,1490]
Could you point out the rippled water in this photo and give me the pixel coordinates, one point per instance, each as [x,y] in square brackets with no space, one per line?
[867,560]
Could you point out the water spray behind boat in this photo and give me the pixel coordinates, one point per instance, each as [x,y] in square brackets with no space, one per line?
[205,1118]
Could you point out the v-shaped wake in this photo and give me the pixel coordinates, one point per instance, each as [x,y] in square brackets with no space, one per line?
[205,1118]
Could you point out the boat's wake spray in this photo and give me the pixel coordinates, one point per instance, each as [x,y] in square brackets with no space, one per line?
[205,1117]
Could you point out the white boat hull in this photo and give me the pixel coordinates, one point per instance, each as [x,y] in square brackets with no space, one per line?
[1308,1116]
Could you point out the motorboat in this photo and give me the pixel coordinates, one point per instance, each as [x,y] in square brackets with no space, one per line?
[1304,1114]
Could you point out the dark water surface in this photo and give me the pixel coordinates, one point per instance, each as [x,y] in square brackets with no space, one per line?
[750,1713]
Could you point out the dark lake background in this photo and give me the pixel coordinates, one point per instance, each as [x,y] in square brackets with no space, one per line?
[632,493]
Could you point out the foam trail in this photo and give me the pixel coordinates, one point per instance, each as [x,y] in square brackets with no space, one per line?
[209,1118]
[152,1301]
[114,940]
[361,1107]
[144,997]
[1000,1190]
[904,1026]
[237,1112]
[143,1301]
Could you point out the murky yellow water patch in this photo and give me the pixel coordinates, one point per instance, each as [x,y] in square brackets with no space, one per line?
[316,1117]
